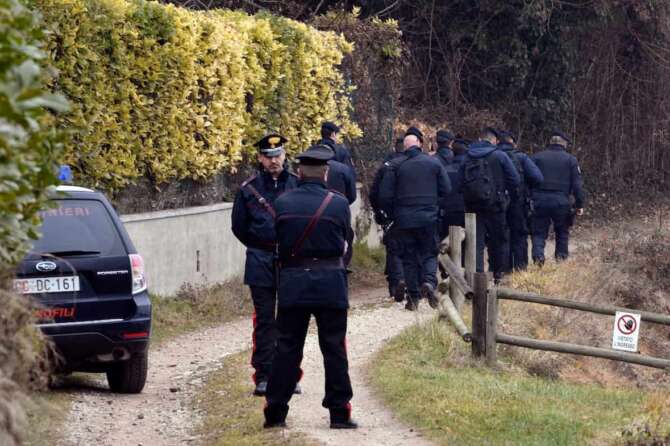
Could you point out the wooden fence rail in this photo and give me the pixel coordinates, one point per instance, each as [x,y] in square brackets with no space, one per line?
[486,332]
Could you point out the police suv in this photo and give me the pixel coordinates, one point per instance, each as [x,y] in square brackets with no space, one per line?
[90,287]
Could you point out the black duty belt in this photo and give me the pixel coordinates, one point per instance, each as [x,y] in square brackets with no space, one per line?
[314,263]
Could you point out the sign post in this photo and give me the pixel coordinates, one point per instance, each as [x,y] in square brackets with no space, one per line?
[626,331]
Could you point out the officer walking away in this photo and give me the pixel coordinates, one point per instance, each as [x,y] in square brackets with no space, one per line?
[393,269]
[330,133]
[452,213]
[411,192]
[552,199]
[488,180]
[518,212]
[312,226]
[253,224]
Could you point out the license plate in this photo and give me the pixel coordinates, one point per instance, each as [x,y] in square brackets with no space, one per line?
[39,285]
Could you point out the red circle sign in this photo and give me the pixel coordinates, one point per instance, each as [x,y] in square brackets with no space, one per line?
[627,324]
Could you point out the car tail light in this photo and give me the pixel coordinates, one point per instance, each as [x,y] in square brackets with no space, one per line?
[138,273]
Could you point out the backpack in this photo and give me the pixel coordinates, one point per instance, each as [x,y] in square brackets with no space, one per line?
[480,190]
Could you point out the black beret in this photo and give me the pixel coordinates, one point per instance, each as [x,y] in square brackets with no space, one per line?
[330,126]
[560,134]
[416,132]
[271,145]
[316,155]
[444,136]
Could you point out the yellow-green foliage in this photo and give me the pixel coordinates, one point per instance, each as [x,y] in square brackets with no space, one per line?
[171,93]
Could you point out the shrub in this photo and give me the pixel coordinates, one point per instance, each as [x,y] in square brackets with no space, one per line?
[168,93]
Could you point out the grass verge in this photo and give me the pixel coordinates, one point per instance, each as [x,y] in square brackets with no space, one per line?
[197,307]
[232,417]
[425,375]
[368,267]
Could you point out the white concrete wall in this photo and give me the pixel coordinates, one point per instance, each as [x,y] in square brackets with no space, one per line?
[196,245]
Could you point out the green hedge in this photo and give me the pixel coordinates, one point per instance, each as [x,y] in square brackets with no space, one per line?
[27,155]
[169,93]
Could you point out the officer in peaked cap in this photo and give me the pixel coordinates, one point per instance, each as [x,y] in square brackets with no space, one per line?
[411,191]
[253,223]
[312,227]
[553,198]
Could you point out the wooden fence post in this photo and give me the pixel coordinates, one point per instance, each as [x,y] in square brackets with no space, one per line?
[470,247]
[479,310]
[456,236]
[492,328]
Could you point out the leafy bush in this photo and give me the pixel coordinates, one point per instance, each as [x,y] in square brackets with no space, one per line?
[26,152]
[168,93]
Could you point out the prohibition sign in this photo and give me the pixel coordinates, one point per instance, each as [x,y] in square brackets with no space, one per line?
[626,324]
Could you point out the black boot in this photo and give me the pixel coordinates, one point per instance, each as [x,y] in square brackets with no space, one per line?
[275,416]
[428,292]
[412,303]
[399,291]
[341,419]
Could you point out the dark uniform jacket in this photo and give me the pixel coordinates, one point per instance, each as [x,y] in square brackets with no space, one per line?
[413,188]
[254,225]
[532,176]
[373,195]
[562,178]
[506,177]
[342,154]
[320,279]
[341,179]
[454,200]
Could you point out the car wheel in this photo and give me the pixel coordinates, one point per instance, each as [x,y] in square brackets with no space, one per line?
[129,376]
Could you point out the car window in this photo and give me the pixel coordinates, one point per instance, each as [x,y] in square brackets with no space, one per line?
[78,226]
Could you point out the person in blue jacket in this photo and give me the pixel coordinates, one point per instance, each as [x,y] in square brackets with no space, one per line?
[552,199]
[488,180]
[452,212]
[516,250]
[411,192]
[312,225]
[253,224]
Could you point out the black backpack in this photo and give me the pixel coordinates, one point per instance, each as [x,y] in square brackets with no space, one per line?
[480,190]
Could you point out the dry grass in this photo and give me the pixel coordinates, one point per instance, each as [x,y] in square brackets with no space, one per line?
[232,417]
[197,307]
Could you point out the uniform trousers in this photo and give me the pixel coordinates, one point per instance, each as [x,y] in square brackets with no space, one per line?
[544,217]
[393,269]
[419,248]
[293,323]
[492,231]
[264,335]
[516,250]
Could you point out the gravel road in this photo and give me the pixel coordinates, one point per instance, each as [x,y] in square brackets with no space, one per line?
[161,415]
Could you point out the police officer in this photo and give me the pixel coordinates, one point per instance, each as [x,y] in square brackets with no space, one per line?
[516,250]
[329,136]
[552,199]
[488,180]
[253,224]
[452,212]
[393,270]
[341,179]
[312,226]
[410,193]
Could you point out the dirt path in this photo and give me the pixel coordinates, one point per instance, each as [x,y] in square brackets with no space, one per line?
[161,415]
